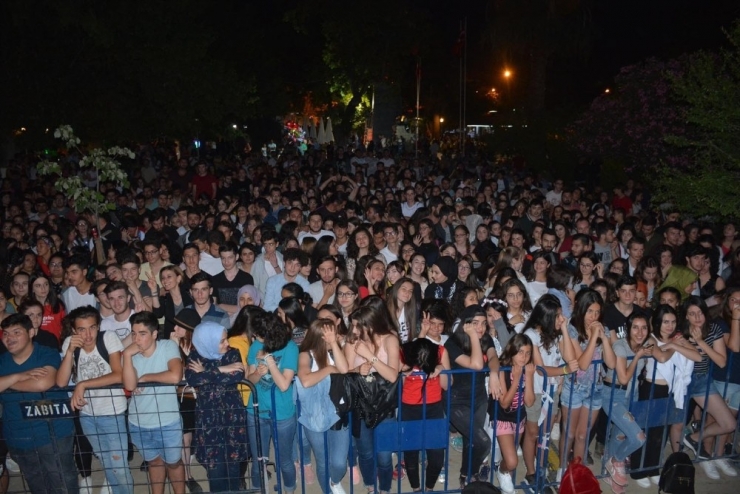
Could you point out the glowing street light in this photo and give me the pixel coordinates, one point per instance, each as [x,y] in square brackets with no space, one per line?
[507,73]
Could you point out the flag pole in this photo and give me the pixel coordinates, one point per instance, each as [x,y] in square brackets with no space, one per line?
[418,91]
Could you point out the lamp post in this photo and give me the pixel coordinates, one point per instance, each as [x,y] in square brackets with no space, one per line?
[441,121]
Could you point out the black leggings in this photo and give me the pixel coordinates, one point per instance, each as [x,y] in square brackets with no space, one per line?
[435,457]
[460,419]
[83,450]
[654,444]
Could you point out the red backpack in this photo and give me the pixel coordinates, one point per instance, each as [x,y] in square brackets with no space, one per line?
[579,479]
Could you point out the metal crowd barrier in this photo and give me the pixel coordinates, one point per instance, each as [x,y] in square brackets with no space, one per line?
[427,434]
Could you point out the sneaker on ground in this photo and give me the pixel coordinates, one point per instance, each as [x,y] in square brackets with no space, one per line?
[710,469]
[504,482]
[555,433]
[530,482]
[693,446]
[617,472]
[85,485]
[519,451]
[655,479]
[457,443]
[336,488]
[616,488]
[105,489]
[399,471]
[442,476]
[193,486]
[644,482]
[11,465]
[726,467]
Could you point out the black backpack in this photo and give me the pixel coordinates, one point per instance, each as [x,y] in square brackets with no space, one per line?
[481,487]
[677,476]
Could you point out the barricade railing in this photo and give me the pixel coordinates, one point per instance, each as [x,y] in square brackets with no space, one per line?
[427,434]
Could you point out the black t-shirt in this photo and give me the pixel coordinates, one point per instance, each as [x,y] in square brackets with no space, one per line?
[226,291]
[616,321]
[463,384]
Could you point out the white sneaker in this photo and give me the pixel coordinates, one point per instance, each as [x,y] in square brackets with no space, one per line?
[655,479]
[336,488]
[504,482]
[710,469]
[85,485]
[725,466]
[11,465]
[519,451]
[555,433]
[105,489]
[644,483]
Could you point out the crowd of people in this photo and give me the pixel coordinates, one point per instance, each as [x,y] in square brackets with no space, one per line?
[564,303]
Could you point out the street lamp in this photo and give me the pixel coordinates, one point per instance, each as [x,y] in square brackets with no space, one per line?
[441,121]
[507,73]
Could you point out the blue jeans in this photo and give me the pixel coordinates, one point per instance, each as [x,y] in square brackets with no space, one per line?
[576,395]
[367,459]
[107,435]
[49,468]
[625,436]
[337,446]
[225,475]
[283,445]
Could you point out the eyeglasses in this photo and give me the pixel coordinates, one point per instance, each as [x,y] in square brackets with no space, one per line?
[55,264]
[345,294]
[408,251]
[587,266]
[391,233]
[150,252]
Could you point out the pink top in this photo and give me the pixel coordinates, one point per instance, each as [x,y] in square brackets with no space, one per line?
[382,354]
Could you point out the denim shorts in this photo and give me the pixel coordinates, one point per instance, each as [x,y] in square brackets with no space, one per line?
[581,395]
[162,442]
[732,396]
[698,386]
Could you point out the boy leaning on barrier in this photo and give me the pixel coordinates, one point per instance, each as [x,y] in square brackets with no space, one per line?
[37,424]
[94,359]
[154,414]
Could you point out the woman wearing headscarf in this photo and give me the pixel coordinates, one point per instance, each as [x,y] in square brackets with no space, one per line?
[444,279]
[221,432]
[247,295]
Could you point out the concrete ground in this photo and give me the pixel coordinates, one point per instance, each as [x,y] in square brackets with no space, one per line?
[725,485]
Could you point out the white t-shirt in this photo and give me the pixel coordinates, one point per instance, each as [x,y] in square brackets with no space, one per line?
[550,357]
[73,299]
[408,211]
[209,264]
[317,236]
[389,256]
[91,366]
[536,289]
[403,330]
[554,198]
[120,328]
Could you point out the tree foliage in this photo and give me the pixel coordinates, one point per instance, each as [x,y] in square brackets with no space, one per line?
[631,121]
[360,44]
[710,89]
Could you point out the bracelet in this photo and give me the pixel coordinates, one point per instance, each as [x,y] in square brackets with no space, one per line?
[565,370]
[375,359]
